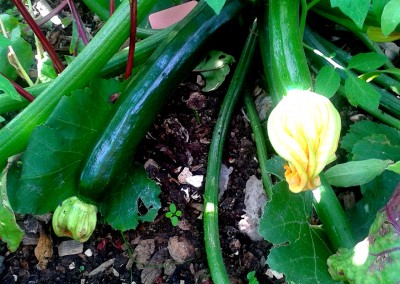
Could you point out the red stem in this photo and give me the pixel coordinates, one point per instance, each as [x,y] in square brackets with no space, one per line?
[132,39]
[38,32]
[20,90]
[78,21]
[112,7]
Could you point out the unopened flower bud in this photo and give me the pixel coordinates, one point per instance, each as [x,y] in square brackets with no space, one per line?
[304,129]
[75,218]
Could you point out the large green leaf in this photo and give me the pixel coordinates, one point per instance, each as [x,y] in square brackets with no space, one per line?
[375,195]
[56,150]
[376,146]
[123,207]
[363,129]
[355,173]
[359,92]
[366,62]
[355,10]
[390,17]
[300,249]
[10,232]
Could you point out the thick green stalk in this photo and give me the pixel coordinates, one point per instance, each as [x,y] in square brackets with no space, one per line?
[15,135]
[211,229]
[261,143]
[115,66]
[332,216]
[289,68]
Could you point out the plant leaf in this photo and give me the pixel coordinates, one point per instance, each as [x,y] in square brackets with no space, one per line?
[365,128]
[359,92]
[355,10]
[46,71]
[121,208]
[168,215]
[355,173]
[366,62]
[172,208]
[376,146]
[275,167]
[174,221]
[22,49]
[52,161]
[395,167]
[8,88]
[217,62]
[327,82]
[375,195]
[286,223]
[390,17]
[216,5]
[377,7]
[10,232]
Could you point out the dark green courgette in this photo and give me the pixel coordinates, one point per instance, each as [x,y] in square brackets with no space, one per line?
[286,62]
[145,94]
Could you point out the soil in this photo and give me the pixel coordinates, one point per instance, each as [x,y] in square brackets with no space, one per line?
[179,138]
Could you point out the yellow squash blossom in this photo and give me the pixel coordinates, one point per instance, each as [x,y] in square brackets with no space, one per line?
[304,130]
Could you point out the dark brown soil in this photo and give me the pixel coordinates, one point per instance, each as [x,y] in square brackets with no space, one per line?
[178,139]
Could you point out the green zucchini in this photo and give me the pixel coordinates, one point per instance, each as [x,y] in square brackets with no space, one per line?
[145,94]
[288,65]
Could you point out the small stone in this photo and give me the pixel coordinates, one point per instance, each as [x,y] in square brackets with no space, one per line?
[143,252]
[154,267]
[115,272]
[180,249]
[30,239]
[71,266]
[70,248]
[88,252]
[184,175]
[102,267]
[169,267]
[196,101]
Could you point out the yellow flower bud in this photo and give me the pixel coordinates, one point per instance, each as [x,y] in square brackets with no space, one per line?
[304,129]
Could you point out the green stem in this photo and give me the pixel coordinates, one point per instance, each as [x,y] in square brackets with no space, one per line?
[360,34]
[332,216]
[261,143]
[322,60]
[114,67]
[15,135]
[211,229]
[389,102]
[379,114]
